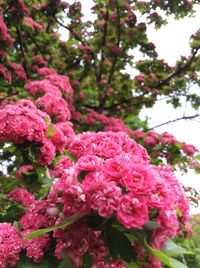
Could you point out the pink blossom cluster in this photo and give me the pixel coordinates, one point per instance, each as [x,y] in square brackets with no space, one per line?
[55,94]
[108,178]
[33,24]
[54,106]
[21,195]
[111,177]
[18,70]
[10,245]
[4,35]
[160,146]
[5,73]
[22,170]
[22,122]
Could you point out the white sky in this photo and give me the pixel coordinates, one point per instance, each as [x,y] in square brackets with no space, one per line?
[172,41]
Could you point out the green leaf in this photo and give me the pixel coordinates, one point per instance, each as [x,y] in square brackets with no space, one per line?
[178,212]
[151,225]
[171,249]
[24,263]
[65,223]
[65,264]
[70,156]
[87,261]
[160,255]
[119,245]
[10,148]
[197,157]
[177,264]
[50,131]
[131,265]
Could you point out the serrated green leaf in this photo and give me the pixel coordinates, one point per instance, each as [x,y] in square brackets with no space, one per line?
[65,223]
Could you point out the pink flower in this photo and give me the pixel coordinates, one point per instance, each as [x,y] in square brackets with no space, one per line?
[4,32]
[10,245]
[132,211]
[139,78]
[75,199]
[18,70]
[167,138]
[159,238]
[42,87]
[105,198]
[44,71]
[59,140]
[62,165]
[35,247]
[62,83]
[89,163]
[47,153]
[36,216]
[23,169]
[138,178]
[168,220]
[159,197]
[189,149]
[33,24]
[21,195]
[5,73]
[54,106]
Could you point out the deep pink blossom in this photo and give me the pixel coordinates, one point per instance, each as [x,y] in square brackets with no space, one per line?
[35,247]
[10,245]
[105,197]
[23,169]
[5,73]
[132,211]
[54,106]
[21,195]
[18,70]
[33,24]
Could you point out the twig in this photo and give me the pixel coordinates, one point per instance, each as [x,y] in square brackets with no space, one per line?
[175,120]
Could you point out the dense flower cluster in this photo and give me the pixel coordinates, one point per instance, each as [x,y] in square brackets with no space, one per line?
[10,245]
[112,177]
[94,199]
[151,140]
[22,122]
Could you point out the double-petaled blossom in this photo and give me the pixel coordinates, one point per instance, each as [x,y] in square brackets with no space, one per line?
[10,245]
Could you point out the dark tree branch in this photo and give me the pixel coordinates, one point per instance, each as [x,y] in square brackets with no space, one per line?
[103,101]
[82,42]
[103,45]
[175,120]
[178,71]
[21,46]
